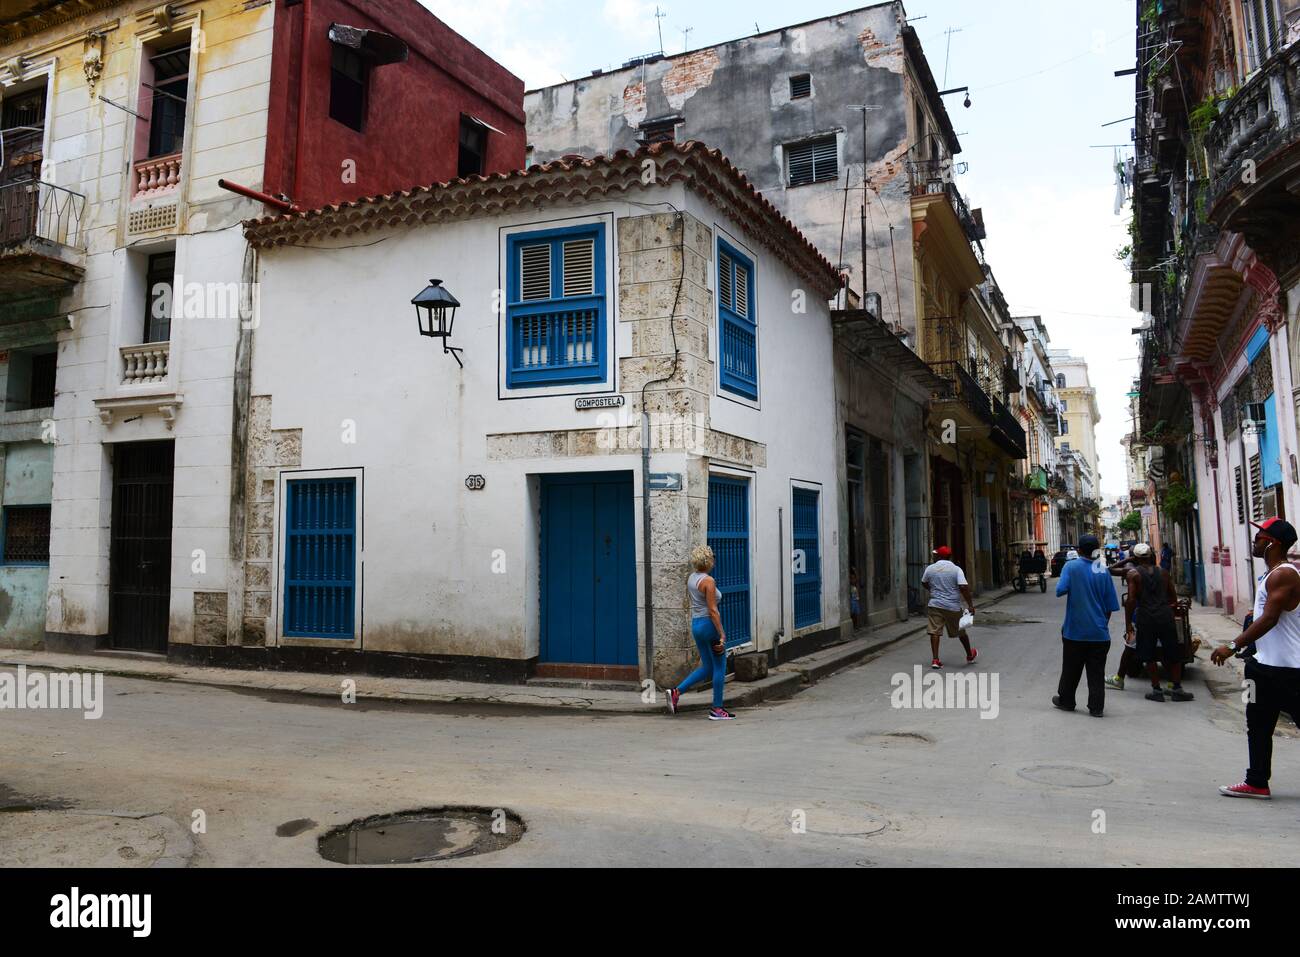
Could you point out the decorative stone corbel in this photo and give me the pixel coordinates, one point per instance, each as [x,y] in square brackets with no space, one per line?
[168,412]
[11,71]
[161,17]
[106,416]
[92,60]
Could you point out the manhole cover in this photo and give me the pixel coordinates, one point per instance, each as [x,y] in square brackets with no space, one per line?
[419,837]
[1065,776]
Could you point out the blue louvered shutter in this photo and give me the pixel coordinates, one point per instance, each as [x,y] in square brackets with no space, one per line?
[320,559]
[737,328]
[729,539]
[807,539]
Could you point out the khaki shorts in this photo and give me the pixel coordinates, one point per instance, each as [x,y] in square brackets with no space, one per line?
[941,618]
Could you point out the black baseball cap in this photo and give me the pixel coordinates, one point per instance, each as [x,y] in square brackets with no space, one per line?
[1279,530]
[1088,545]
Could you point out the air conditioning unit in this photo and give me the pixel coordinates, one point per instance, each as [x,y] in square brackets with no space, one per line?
[1253,417]
[1269,508]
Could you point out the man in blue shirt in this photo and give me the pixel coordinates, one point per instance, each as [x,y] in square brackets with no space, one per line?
[1085,636]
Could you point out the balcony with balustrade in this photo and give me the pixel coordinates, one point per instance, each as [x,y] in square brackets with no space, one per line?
[1254,153]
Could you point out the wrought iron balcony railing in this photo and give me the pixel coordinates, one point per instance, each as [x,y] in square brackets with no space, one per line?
[962,387]
[35,210]
[928,177]
[1008,433]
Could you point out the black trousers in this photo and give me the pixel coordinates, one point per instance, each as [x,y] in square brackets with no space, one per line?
[1076,657]
[1276,690]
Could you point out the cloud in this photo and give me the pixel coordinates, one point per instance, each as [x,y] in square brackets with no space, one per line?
[632,18]
[501,28]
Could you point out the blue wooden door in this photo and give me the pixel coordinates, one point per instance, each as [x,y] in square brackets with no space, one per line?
[729,539]
[588,570]
[808,559]
[320,559]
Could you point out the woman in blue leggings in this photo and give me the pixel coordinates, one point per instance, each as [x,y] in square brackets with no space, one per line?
[710,638]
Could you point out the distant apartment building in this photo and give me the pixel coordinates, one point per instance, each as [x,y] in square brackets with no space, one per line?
[137,136]
[845,130]
[1078,436]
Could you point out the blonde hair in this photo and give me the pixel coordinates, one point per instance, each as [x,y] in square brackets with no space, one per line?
[702,558]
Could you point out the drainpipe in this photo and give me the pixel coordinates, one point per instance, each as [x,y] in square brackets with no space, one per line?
[780,585]
[302,98]
[272,201]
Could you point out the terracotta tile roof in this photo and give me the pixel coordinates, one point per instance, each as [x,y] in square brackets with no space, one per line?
[568,180]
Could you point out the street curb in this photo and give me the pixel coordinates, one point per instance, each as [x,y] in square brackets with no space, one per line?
[784,682]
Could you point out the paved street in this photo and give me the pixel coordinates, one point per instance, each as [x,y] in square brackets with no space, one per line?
[878,786]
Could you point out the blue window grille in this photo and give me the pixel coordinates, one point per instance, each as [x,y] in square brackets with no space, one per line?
[320,559]
[737,326]
[729,539]
[808,556]
[555,287]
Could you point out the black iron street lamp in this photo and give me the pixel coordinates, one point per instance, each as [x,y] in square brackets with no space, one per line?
[435,311]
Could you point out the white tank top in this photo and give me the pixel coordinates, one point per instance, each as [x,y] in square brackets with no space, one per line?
[1280,647]
[700,604]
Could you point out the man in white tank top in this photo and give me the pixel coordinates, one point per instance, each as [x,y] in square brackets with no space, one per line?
[1274,673]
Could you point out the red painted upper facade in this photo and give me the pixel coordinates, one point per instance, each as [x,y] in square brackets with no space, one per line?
[412,115]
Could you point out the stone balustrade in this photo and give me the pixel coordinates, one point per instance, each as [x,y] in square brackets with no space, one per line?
[159,175]
[145,364]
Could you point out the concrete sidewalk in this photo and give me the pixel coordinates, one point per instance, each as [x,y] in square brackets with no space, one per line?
[784,681]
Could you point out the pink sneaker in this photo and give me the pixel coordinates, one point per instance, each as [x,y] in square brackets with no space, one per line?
[1244,790]
[673,697]
[936,664]
[974,653]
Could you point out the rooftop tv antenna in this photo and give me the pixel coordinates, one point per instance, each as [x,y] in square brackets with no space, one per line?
[950,31]
[660,16]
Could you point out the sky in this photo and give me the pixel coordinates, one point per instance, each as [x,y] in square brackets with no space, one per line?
[1042,86]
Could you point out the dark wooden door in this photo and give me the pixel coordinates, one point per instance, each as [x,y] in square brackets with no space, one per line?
[140,560]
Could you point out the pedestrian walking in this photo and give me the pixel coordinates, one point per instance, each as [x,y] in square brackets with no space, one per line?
[1167,558]
[855,599]
[710,637]
[1085,635]
[1149,622]
[1273,675]
[948,589]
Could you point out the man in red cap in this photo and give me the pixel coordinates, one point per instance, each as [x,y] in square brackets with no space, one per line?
[1274,674]
[948,588]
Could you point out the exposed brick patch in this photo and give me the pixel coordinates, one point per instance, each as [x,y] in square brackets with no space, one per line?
[688,75]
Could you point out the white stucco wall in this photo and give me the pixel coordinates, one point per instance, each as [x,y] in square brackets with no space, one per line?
[338,347]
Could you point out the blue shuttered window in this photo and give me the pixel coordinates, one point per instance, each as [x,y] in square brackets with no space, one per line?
[555,286]
[808,558]
[737,325]
[729,539]
[320,559]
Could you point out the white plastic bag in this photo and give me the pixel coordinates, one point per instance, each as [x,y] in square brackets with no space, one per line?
[967,619]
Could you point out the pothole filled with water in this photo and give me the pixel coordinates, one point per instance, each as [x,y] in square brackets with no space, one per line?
[422,837]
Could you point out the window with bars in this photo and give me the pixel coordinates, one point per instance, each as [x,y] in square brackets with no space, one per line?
[801,86]
[556,312]
[320,566]
[814,161]
[26,534]
[1265,30]
[1241,498]
[737,323]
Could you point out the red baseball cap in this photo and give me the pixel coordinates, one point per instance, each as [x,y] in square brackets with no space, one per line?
[943,551]
[1279,530]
